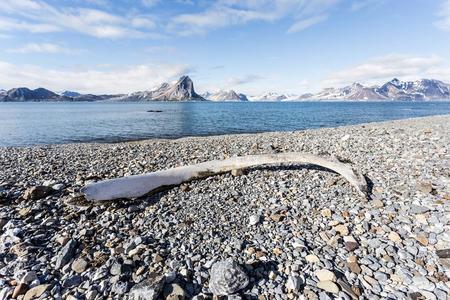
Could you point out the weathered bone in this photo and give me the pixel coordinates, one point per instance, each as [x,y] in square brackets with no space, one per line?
[139,185]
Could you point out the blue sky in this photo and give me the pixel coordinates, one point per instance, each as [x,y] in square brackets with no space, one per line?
[251,46]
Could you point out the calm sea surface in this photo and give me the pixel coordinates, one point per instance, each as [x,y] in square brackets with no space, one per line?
[24,124]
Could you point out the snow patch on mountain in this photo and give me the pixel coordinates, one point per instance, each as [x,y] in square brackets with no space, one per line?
[223,95]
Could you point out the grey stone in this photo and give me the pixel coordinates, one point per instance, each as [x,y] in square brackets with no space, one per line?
[66,254]
[417,209]
[227,277]
[253,220]
[120,287]
[294,283]
[149,289]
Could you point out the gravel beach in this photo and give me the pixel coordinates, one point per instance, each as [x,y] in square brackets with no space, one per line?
[278,232]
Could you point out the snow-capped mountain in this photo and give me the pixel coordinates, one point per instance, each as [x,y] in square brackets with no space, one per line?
[270,96]
[223,95]
[356,91]
[425,89]
[274,96]
[181,90]
[419,90]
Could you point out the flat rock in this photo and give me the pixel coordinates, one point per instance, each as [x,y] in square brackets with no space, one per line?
[312,258]
[79,265]
[326,213]
[417,209]
[325,275]
[394,236]
[148,289]
[37,192]
[277,217]
[328,286]
[422,239]
[36,292]
[377,203]
[342,229]
[425,187]
[354,267]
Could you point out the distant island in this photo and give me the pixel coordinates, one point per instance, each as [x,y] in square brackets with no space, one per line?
[183,90]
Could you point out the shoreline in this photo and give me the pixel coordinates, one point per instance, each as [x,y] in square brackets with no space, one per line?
[294,230]
[223,135]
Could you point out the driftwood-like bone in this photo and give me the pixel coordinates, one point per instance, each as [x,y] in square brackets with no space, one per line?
[139,185]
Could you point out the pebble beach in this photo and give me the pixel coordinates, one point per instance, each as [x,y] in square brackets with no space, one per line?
[275,232]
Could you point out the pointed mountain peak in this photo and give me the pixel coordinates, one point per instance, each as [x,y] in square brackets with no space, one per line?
[182,89]
[357,85]
[395,81]
[185,79]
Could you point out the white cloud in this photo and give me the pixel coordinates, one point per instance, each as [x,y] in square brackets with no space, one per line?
[303,24]
[143,22]
[104,80]
[444,16]
[8,24]
[243,80]
[224,13]
[384,68]
[40,48]
[38,16]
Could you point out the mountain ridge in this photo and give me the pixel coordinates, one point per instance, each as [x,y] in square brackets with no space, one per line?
[183,90]
[224,95]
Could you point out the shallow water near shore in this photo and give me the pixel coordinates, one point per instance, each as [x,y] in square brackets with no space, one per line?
[25,124]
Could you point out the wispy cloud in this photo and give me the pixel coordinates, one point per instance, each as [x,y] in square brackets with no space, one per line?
[8,24]
[443,22]
[303,24]
[389,66]
[41,48]
[39,16]
[224,13]
[103,80]
[243,80]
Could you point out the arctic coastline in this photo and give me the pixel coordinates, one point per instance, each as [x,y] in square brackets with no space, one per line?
[314,235]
